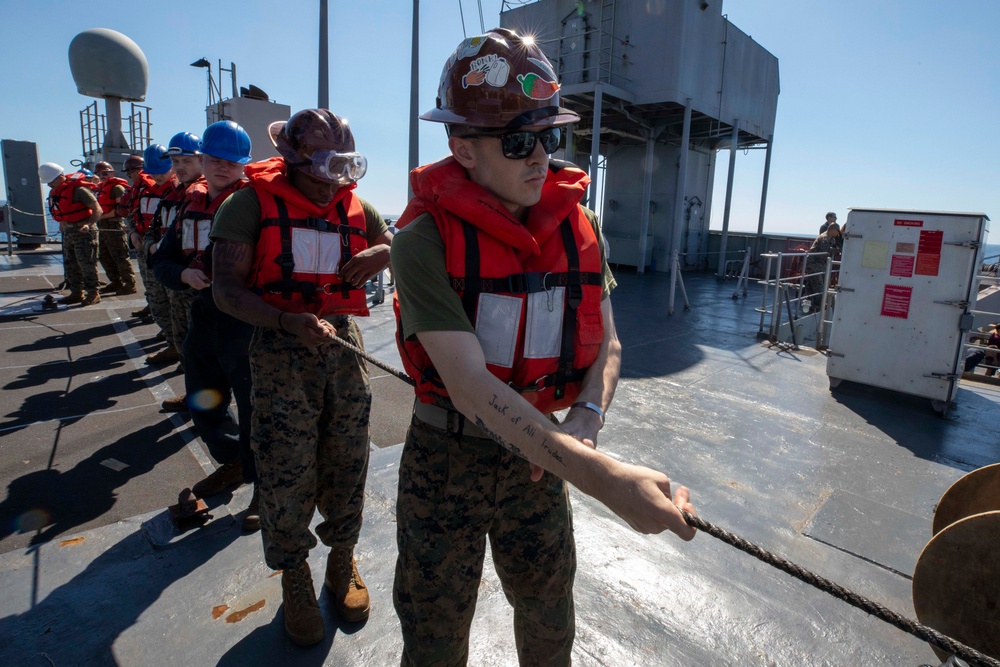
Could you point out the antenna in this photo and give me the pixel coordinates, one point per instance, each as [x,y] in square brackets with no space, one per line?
[212,86]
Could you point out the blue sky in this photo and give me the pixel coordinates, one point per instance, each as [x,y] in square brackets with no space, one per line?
[883,104]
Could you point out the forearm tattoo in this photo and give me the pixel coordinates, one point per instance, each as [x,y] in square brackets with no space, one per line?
[528,429]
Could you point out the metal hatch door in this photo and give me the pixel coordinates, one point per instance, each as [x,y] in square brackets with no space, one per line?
[906,282]
[24,192]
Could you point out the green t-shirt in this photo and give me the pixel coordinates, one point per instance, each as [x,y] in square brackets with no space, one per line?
[84,195]
[238,219]
[426,298]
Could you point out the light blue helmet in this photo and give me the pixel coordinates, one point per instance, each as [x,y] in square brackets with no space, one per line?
[184,143]
[227,141]
[157,160]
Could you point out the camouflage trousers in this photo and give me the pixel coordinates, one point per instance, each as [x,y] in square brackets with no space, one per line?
[113,252]
[156,292]
[180,315]
[80,259]
[453,493]
[310,438]
[147,277]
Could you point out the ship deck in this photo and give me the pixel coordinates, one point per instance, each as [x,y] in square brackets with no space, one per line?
[844,483]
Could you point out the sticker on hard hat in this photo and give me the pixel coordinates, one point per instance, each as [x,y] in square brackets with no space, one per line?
[469,47]
[491,69]
[544,66]
[536,87]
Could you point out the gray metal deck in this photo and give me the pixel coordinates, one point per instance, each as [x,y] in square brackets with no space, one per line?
[841,483]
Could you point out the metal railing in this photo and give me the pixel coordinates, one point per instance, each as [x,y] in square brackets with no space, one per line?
[990,361]
[785,286]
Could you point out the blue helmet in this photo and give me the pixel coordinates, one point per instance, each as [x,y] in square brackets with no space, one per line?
[184,143]
[157,160]
[86,172]
[227,141]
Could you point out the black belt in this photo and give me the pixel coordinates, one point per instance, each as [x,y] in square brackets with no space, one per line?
[446,420]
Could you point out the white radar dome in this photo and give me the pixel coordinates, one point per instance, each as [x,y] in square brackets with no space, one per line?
[106,63]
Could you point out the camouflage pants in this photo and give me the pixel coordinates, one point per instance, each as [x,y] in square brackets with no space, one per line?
[80,260]
[310,438]
[180,314]
[453,493]
[147,278]
[156,293]
[113,252]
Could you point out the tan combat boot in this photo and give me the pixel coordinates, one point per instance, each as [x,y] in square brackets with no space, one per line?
[167,355]
[75,297]
[92,297]
[349,593]
[303,622]
[175,404]
[225,476]
[251,520]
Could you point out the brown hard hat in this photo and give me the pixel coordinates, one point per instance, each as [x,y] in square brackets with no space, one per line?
[308,131]
[102,166]
[499,80]
[133,162]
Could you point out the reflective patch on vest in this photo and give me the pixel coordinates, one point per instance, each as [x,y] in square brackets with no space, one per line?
[498,320]
[543,328]
[170,214]
[315,251]
[147,205]
[195,234]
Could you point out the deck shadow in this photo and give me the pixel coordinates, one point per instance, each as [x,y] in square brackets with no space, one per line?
[53,502]
[965,439]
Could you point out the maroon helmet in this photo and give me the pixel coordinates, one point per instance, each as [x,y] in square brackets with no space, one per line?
[499,80]
[319,143]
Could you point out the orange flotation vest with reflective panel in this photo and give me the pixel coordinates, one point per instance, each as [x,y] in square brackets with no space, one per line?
[194,224]
[61,203]
[104,192]
[532,291]
[144,198]
[303,246]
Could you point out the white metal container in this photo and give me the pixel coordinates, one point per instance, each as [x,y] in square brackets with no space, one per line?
[907,283]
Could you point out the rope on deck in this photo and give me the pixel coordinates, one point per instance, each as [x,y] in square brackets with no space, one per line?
[914,628]
[918,630]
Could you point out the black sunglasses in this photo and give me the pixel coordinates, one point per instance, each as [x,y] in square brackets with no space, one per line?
[519,145]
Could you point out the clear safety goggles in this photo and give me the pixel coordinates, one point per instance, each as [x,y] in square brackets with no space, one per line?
[336,167]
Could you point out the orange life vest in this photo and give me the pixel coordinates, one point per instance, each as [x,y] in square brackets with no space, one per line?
[61,203]
[302,246]
[126,204]
[143,199]
[532,291]
[170,204]
[104,192]
[194,223]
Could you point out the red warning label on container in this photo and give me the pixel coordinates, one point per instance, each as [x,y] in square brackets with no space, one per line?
[929,252]
[909,223]
[902,265]
[896,301]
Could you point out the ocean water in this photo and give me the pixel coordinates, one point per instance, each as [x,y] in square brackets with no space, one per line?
[51,227]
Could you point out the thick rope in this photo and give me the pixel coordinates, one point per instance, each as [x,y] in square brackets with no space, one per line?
[918,630]
[372,360]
